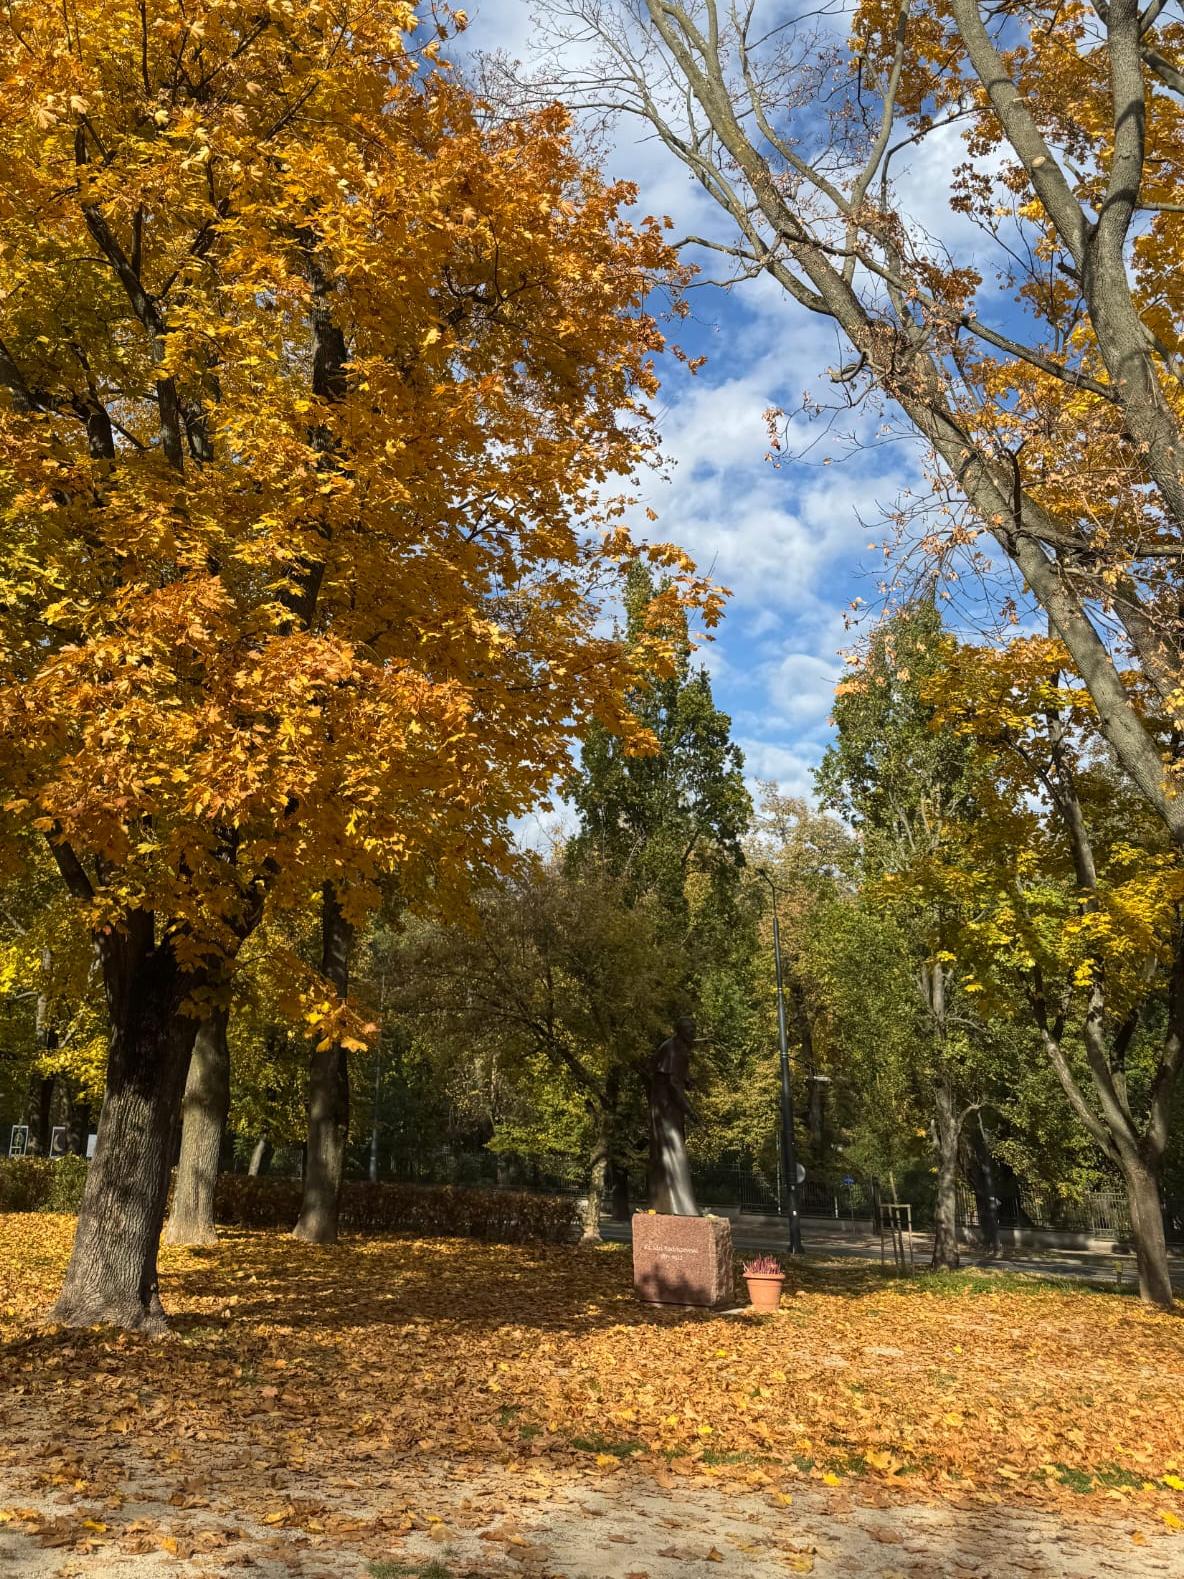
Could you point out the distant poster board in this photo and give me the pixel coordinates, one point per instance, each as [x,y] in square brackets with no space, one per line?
[18,1141]
[91,1143]
[57,1141]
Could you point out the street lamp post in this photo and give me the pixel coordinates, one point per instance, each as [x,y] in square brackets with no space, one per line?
[788,1149]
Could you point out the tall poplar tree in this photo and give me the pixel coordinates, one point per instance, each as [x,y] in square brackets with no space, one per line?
[670,821]
[901,783]
[669,824]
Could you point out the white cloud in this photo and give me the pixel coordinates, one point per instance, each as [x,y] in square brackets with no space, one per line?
[801,688]
[788,542]
[791,771]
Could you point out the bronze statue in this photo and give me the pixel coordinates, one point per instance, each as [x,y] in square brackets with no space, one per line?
[670,1174]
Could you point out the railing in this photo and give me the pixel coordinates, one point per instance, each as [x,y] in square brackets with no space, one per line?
[1099,1213]
[755,1190]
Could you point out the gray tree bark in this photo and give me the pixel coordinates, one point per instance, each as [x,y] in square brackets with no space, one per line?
[204,1109]
[947,1127]
[112,1276]
[260,1158]
[1150,1245]
[328,1093]
[594,1196]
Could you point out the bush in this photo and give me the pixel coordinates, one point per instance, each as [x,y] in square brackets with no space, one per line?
[41,1184]
[24,1183]
[37,1184]
[67,1180]
[250,1202]
[507,1216]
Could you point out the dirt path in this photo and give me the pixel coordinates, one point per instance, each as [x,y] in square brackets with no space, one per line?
[539,1526]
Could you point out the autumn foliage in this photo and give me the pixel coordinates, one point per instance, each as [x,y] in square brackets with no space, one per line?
[344,1398]
[316,377]
[310,371]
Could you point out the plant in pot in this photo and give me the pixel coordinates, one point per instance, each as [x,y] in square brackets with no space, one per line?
[765,1277]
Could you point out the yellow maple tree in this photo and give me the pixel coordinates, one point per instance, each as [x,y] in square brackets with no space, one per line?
[315,378]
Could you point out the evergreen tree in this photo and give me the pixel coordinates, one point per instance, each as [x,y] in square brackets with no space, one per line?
[670,827]
[670,824]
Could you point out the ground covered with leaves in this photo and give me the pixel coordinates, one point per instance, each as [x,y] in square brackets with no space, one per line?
[394,1391]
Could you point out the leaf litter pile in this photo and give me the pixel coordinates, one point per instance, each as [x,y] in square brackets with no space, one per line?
[306,1390]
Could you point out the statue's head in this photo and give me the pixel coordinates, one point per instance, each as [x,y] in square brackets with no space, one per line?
[684,1029]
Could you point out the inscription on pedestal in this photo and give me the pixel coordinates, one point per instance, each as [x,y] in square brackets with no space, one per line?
[682,1260]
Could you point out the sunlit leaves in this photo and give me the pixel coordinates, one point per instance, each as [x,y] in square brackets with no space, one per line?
[267,619]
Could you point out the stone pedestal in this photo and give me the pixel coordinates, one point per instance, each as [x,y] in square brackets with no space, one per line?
[682,1260]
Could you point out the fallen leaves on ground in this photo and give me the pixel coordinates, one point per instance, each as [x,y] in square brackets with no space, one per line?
[296,1379]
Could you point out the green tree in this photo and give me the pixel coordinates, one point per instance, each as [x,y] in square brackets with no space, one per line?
[1076,896]
[810,858]
[553,998]
[900,782]
[670,823]
[670,826]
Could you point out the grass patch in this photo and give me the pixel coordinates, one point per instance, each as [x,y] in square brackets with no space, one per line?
[1076,1479]
[601,1444]
[1111,1477]
[960,1283]
[397,1570]
[1115,1477]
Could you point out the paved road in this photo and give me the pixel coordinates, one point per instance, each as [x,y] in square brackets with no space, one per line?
[822,1240]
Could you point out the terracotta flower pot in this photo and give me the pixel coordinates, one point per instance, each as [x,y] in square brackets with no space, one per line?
[764,1293]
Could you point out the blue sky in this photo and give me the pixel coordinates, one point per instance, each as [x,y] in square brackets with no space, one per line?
[791,543]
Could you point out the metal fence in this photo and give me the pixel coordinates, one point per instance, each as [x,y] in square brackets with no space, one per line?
[754,1189]
[1100,1213]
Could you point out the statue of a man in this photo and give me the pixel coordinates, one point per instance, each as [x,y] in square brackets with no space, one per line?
[670,1175]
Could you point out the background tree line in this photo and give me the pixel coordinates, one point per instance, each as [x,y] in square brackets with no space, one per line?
[966,1013]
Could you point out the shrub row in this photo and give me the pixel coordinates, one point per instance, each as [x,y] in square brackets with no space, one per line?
[507,1216]
[37,1184]
[41,1184]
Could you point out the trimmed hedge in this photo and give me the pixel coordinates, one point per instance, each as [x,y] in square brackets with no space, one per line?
[41,1184]
[37,1184]
[507,1216]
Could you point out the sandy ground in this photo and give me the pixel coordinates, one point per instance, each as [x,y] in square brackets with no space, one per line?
[615,1526]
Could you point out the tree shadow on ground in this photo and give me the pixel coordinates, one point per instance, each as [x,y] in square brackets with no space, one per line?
[554,1288]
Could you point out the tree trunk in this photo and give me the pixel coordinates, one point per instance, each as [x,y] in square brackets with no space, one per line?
[814,1102]
[204,1108]
[112,1275]
[982,1176]
[1151,1252]
[328,1094]
[77,1123]
[620,1192]
[39,1109]
[945,1217]
[261,1158]
[594,1199]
